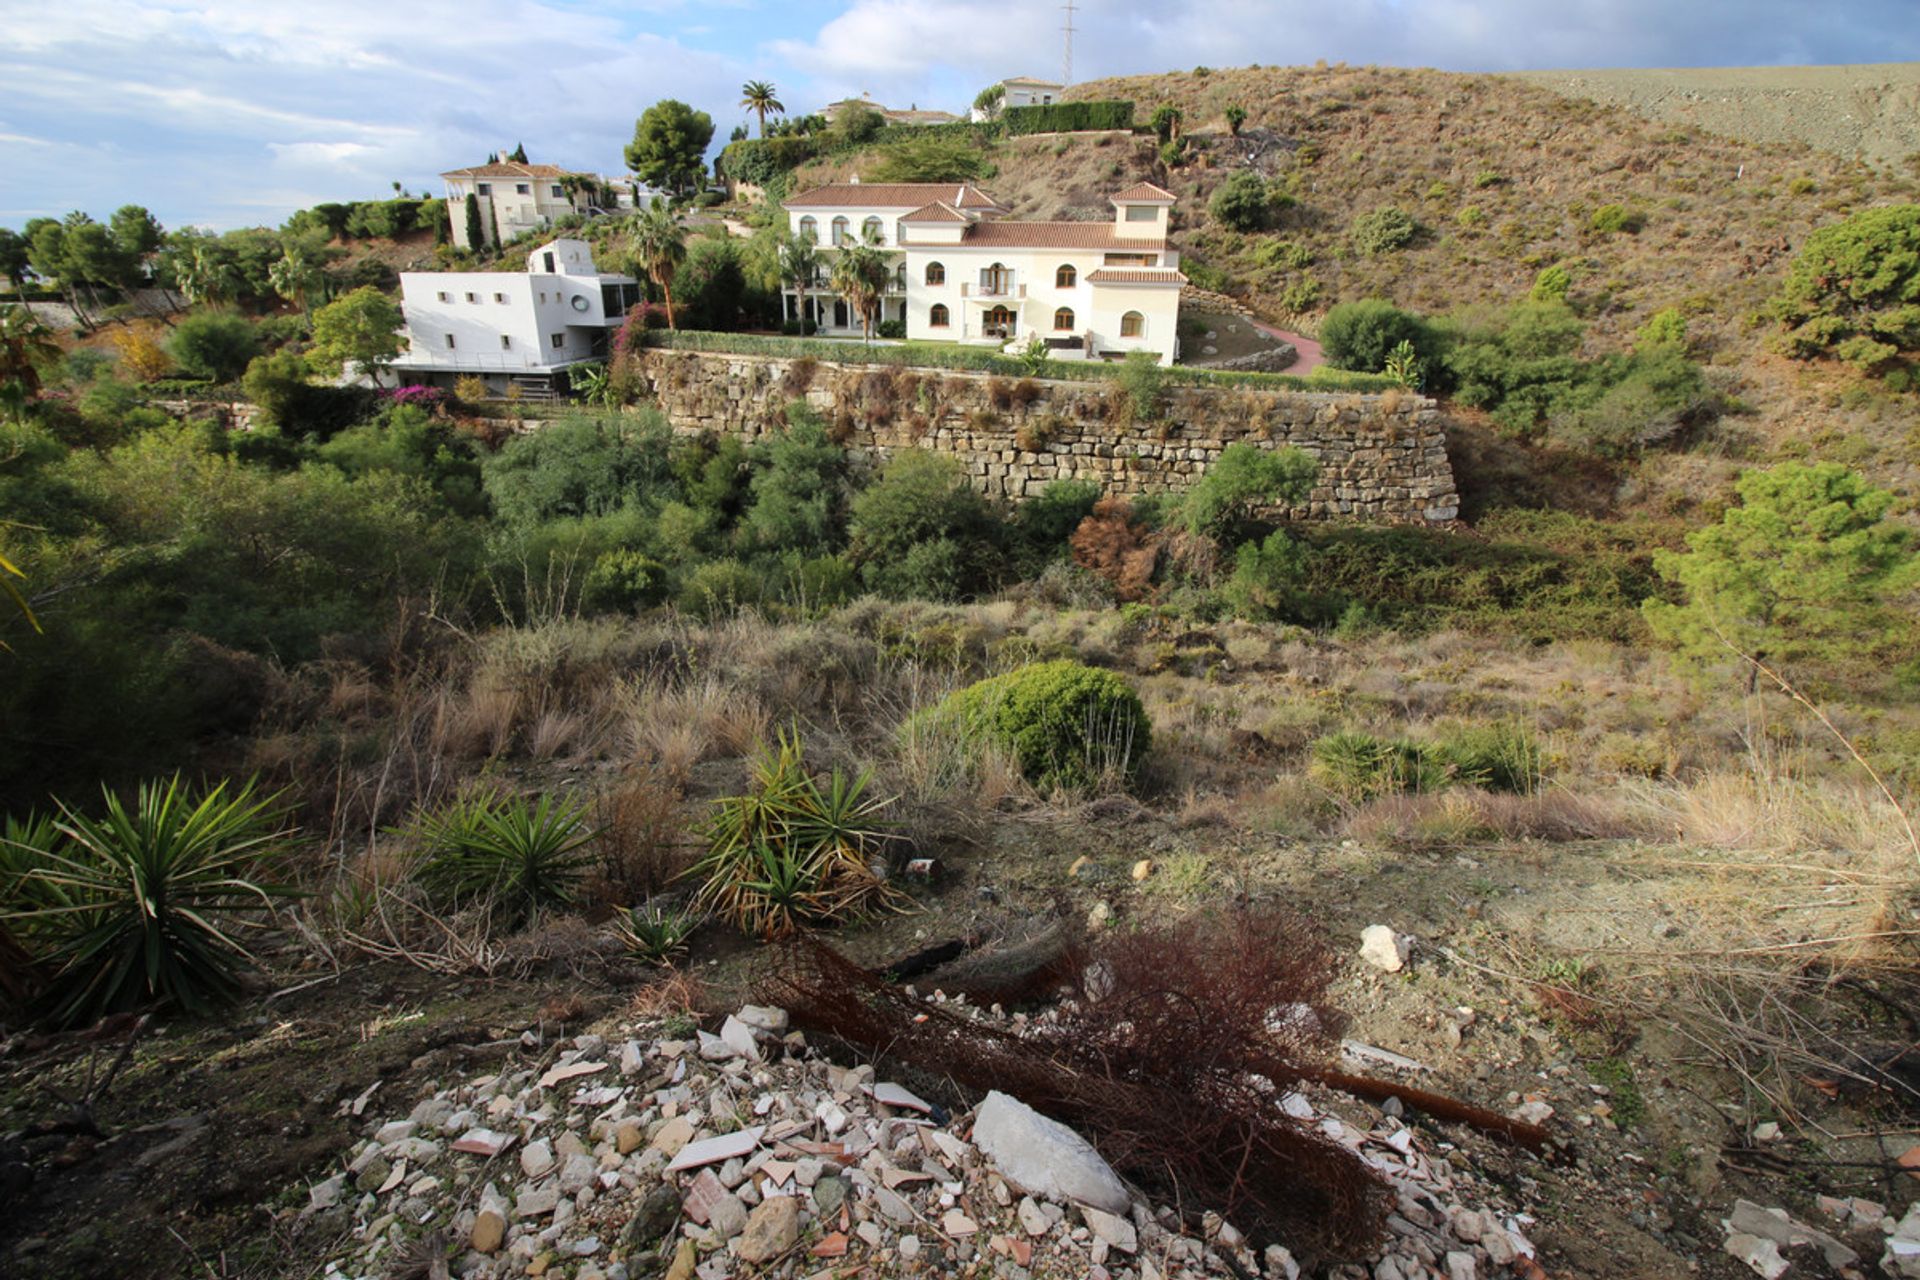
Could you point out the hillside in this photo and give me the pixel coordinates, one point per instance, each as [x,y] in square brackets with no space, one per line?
[1504,178]
[1870,111]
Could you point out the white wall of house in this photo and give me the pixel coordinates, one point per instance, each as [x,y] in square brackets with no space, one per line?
[1029,93]
[520,204]
[1032,295]
[832,226]
[547,317]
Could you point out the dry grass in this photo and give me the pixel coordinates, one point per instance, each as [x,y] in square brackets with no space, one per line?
[641,843]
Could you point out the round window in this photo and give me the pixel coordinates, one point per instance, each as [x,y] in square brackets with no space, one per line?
[580,302]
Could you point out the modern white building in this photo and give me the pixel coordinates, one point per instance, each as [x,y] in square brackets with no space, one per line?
[961,273]
[512,326]
[515,198]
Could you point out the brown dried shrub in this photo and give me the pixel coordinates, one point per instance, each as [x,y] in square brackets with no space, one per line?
[1000,394]
[638,845]
[798,378]
[1165,1059]
[1113,546]
[842,428]
[1025,392]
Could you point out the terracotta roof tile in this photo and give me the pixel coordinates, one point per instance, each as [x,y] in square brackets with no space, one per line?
[891,195]
[1143,193]
[1135,275]
[509,169]
[938,211]
[1055,235]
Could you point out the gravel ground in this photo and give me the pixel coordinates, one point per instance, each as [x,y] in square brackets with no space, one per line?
[1870,111]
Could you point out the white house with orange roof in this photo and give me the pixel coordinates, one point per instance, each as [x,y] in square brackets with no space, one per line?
[1089,290]
[516,198]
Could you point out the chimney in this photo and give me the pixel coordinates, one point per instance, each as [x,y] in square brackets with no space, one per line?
[856,179]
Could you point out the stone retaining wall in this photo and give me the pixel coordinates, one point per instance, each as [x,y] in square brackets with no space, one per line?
[1383,456]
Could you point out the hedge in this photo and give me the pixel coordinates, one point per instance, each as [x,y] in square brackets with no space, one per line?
[991,360]
[1069,117]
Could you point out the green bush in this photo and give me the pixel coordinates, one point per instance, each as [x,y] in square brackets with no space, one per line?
[1362,335]
[792,849]
[1856,282]
[513,855]
[1552,284]
[1242,203]
[1066,724]
[1245,477]
[580,466]
[213,344]
[1383,230]
[922,530]
[1142,382]
[624,580]
[1068,117]
[1611,218]
[721,587]
[1498,757]
[1283,255]
[1266,579]
[146,902]
[932,158]
[1360,766]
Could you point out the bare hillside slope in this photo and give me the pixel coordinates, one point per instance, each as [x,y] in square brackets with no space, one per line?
[1868,111]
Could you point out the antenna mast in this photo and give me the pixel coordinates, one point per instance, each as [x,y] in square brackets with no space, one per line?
[1066,76]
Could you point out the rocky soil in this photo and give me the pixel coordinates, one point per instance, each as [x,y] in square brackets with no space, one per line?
[1869,112]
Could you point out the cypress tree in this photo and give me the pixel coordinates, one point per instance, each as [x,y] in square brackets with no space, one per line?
[476,236]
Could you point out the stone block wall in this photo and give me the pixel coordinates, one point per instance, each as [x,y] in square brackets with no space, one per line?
[1382,456]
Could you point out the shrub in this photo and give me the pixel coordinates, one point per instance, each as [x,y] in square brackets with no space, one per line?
[1069,117]
[624,580]
[1283,255]
[1235,116]
[514,855]
[1499,757]
[1142,384]
[1266,578]
[145,902]
[1243,478]
[1666,327]
[922,528]
[1552,284]
[1241,203]
[891,329]
[1362,335]
[1383,230]
[141,356]
[1067,725]
[1611,218]
[1857,279]
[931,158]
[719,588]
[1360,766]
[655,934]
[213,344]
[790,850]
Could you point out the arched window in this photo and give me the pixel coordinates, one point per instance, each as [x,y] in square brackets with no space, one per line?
[871,231]
[839,232]
[1065,277]
[1063,318]
[936,273]
[937,316]
[1133,325]
[809,230]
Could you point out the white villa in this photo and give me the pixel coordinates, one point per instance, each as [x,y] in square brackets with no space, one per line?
[1022,91]
[961,273]
[511,326]
[515,198]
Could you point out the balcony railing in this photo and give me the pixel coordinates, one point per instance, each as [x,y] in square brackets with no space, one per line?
[487,362]
[995,289]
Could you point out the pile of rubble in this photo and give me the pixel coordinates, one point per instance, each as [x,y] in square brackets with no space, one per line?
[745,1154]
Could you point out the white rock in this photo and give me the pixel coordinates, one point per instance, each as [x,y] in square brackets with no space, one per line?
[1034,1221]
[536,1159]
[1460,1265]
[1044,1157]
[739,1038]
[1764,1255]
[764,1018]
[1384,949]
[1112,1228]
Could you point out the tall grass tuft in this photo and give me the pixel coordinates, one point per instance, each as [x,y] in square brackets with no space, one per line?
[145,903]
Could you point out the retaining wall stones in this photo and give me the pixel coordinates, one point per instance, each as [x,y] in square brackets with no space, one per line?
[1382,456]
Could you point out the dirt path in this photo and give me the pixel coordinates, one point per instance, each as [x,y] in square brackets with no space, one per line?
[1311,356]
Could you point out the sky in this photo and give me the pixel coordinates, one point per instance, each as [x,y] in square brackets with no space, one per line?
[224,113]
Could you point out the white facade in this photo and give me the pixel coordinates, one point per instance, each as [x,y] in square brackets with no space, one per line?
[513,199]
[1022,91]
[1090,290]
[508,324]
[850,213]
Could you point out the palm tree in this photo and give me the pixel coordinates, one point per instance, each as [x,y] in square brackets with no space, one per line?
[25,345]
[799,266]
[661,244]
[758,97]
[294,277]
[860,276]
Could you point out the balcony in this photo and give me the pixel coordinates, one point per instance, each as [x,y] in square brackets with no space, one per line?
[992,291]
[487,362]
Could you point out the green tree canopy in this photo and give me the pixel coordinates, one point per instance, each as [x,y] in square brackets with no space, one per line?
[1854,289]
[932,158]
[669,145]
[1244,478]
[360,329]
[1805,570]
[216,345]
[798,492]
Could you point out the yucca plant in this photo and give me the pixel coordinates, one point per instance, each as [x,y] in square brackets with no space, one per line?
[653,933]
[521,855]
[147,902]
[789,850]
